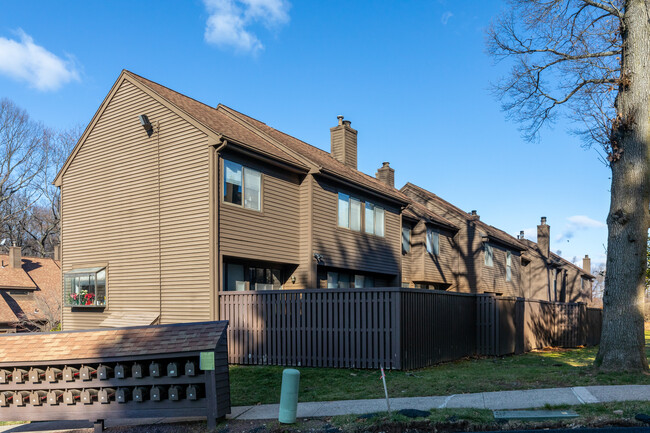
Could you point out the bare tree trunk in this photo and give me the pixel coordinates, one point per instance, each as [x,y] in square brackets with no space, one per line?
[622,344]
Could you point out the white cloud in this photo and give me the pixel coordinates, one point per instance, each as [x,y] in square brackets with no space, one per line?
[583,221]
[229,21]
[578,223]
[444,19]
[25,61]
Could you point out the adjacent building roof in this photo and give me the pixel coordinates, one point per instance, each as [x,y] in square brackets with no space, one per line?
[419,212]
[39,278]
[110,343]
[492,232]
[534,247]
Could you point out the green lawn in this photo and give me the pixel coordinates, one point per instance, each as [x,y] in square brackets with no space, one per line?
[589,415]
[545,369]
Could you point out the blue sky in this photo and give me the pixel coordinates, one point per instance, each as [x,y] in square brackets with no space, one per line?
[412,76]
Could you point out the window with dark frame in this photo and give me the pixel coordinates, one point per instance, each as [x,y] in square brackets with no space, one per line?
[252,276]
[508,266]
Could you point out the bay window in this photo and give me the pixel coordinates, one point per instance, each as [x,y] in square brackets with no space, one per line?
[85,287]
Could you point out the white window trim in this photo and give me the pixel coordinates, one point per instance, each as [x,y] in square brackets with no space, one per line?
[363,207]
[408,241]
[431,236]
[243,186]
[488,253]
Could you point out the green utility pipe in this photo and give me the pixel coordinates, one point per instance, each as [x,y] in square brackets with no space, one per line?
[289,396]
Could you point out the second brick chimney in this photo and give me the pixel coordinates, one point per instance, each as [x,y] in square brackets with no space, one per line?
[544,238]
[586,264]
[15,260]
[386,174]
[344,143]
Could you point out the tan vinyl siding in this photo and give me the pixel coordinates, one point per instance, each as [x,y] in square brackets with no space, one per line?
[184,223]
[306,260]
[110,212]
[348,249]
[271,234]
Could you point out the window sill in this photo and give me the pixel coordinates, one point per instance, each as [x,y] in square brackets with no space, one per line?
[74,308]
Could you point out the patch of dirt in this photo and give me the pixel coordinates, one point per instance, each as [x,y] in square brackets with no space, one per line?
[323,425]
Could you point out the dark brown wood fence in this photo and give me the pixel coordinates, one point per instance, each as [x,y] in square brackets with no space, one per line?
[435,328]
[395,328]
[354,328]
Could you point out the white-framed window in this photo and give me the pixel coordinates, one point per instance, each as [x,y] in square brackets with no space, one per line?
[406,239]
[488,254]
[242,186]
[355,214]
[344,210]
[374,219]
[433,241]
[349,212]
[508,266]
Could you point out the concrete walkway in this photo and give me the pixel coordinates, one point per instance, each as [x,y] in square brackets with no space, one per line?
[533,398]
[500,400]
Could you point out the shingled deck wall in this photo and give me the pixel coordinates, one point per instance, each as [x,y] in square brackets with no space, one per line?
[395,328]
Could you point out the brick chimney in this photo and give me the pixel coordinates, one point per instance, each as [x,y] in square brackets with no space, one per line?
[386,174]
[521,234]
[544,238]
[15,260]
[344,143]
[586,264]
[56,254]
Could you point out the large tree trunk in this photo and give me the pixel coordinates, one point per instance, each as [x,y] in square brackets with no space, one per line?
[622,344]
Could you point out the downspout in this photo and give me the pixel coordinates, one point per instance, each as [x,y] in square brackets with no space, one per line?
[159,226]
[218,271]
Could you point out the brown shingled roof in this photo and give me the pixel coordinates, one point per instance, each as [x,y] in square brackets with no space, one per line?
[319,157]
[215,120]
[220,120]
[492,232]
[41,277]
[418,211]
[110,343]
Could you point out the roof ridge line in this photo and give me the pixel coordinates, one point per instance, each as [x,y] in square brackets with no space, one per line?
[235,115]
[142,80]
